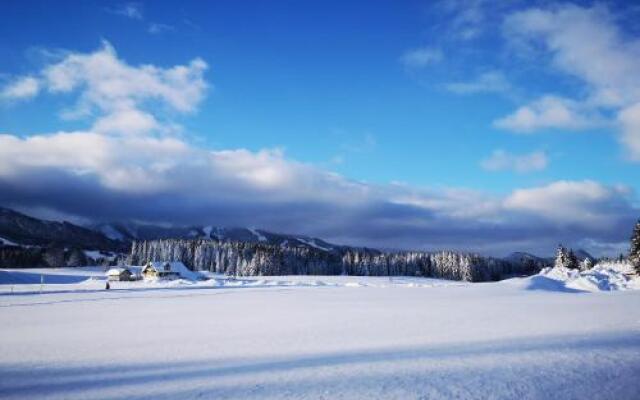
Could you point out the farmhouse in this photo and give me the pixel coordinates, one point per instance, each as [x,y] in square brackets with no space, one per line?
[120,274]
[165,270]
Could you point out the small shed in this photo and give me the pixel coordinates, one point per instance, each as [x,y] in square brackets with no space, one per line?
[120,274]
[166,270]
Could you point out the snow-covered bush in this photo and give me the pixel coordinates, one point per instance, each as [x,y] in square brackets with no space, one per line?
[605,275]
[586,264]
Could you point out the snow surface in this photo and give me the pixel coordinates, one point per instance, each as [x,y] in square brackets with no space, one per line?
[258,235]
[111,232]
[7,242]
[177,267]
[97,255]
[316,337]
[313,243]
[115,271]
[602,277]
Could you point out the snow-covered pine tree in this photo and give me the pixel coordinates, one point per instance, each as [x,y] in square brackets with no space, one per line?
[586,264]
[562,259]
[255,259]
[634,252]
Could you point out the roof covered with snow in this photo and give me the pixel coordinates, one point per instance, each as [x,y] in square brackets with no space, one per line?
[174,266]
[117,271]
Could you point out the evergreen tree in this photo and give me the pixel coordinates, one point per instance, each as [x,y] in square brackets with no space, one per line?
[76,258]
[562,258]
[53,257]
[572,260]
[586,264]
[634,252]
[255,259]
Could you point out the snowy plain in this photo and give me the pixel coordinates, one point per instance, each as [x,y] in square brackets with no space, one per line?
[555,335]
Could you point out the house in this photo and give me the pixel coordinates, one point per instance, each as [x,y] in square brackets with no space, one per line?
[166,270]
[120,274]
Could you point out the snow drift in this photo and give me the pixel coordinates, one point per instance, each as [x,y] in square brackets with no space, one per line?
[605,276]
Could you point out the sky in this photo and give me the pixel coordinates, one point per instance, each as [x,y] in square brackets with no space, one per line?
[461,124]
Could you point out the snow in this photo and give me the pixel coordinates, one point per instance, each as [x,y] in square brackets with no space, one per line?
[25,278]
[605,276]
[97,255]
[7,242]
[260,236]
[91,279]
[312,243]
[115,271]
[175,266]
[314,337]
[111,232]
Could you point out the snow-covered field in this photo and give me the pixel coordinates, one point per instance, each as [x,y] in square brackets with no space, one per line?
[555,335]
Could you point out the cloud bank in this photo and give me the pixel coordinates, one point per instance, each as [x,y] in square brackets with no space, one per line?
[587,44]
[131,162]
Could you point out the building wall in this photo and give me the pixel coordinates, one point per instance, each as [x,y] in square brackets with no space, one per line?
[150,273]
[120,278]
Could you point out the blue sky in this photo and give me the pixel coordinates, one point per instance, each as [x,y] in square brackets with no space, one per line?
[452,113]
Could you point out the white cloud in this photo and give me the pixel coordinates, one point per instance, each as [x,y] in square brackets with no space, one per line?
[585,203]
[588,44]
[129,10]
[421,57]
[122,97]
[501,160]
[144,164]
[170,167]
[23,88]
[488,82]
[629,119]
[467,17]
[171,180]
[157,28]
[549,112]
[454,203]
[108,83]
[126,121]
[75,151]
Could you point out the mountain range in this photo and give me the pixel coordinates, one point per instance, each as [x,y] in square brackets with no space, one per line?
[131,231]
[20,230]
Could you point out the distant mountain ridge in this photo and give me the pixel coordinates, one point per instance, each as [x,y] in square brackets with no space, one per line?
[21,229]
[581,254]
[26,241]
[522,257]
[131,232]
[18,229]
